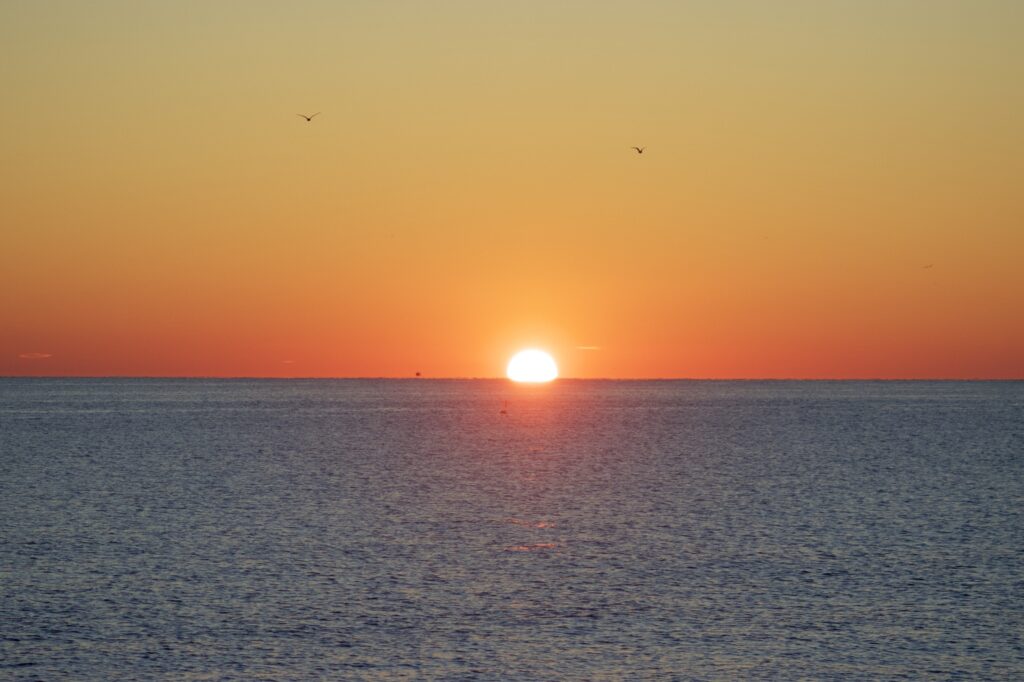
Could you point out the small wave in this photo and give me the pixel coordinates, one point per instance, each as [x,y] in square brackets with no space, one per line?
[536,547]
[531,524]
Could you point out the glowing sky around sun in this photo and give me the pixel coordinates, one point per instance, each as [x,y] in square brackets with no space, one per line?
[470,189]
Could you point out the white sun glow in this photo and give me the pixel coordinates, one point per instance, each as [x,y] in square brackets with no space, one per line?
[534,366]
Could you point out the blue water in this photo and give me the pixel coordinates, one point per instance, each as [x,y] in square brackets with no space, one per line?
[293,530]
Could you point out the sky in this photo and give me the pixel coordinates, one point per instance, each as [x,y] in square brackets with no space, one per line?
[829,189]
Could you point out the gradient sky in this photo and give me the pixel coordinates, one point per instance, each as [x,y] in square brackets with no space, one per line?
[469,188]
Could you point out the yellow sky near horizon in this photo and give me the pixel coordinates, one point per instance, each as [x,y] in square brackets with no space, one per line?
[469,188]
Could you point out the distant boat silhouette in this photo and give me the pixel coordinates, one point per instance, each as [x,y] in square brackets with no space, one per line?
[417,373]
[639,150]
[308,118]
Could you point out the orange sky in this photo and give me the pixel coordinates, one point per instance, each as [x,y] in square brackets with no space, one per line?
[469,188]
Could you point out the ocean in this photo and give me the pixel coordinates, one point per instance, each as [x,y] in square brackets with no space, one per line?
[597,530]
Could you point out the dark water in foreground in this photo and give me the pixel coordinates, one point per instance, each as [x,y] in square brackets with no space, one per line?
[290,530]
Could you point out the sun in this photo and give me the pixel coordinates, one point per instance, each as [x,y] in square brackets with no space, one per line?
[533,366]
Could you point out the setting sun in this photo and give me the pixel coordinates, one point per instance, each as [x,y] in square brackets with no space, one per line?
[534,366]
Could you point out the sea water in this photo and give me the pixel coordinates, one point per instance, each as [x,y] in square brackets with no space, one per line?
[408,529]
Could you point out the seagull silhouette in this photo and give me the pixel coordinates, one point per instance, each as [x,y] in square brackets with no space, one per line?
[308,118]
[639,150]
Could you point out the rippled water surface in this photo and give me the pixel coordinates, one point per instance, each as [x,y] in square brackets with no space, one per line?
[290,530]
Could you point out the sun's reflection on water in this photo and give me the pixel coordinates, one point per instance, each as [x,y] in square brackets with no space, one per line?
[530,427]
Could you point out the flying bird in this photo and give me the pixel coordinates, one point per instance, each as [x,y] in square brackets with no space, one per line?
[926,267]
[308,118]
[639,150]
